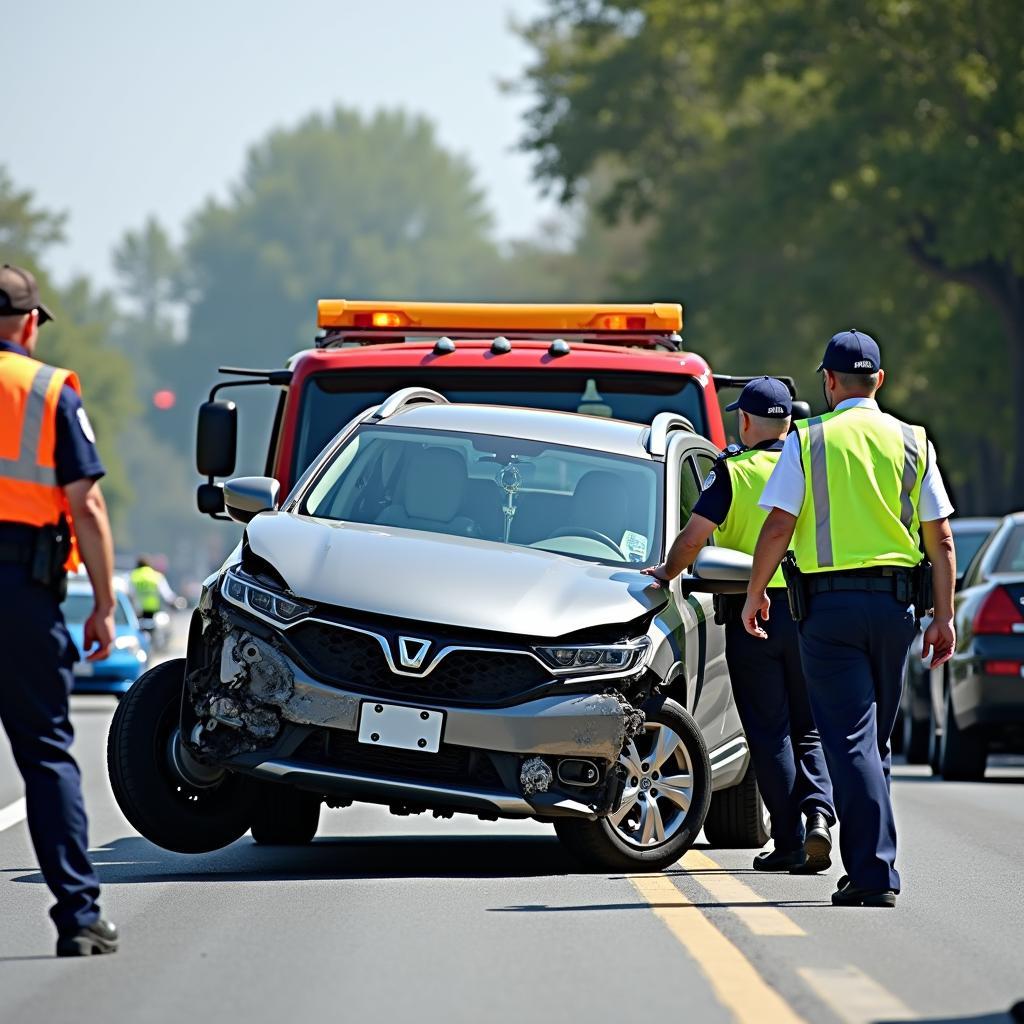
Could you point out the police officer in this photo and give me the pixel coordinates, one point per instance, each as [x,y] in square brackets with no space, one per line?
[150,588]
[853,494]
[767,679]
[51,514]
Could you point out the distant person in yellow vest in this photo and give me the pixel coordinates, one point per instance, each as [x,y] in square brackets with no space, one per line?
[853,494]
[51,514]
[767,679]
[150,588]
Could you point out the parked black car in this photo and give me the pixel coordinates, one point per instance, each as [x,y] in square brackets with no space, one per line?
[912,735]
[977,697]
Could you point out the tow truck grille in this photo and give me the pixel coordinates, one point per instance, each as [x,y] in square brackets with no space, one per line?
[343,657]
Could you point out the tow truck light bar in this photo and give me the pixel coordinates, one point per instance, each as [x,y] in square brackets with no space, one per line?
[504,318]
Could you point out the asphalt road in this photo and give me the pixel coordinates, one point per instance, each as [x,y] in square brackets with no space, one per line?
[402,919]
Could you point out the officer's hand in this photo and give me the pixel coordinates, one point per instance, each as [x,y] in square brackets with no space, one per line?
[939,639]
[658,573]
[754,607]
[98,632]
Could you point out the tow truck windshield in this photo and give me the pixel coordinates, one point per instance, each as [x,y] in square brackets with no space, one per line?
[572,501]
[332,399]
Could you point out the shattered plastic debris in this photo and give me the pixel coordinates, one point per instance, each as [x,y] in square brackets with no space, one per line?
[535,776]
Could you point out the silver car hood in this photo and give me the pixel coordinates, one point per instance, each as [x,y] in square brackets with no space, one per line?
[456,581]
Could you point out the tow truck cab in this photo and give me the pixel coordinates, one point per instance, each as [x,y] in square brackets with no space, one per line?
[624,361]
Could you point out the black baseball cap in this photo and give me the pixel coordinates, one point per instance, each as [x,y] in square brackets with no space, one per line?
[765,397]
[19,293]
[851,352]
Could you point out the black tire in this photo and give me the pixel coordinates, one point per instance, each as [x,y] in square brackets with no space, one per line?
[916,738]
[285,816]
[158,802]
[737,819]
[598,844]
[896,742]
[963,751]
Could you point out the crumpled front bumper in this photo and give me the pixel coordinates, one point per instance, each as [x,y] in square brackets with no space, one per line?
[265,684]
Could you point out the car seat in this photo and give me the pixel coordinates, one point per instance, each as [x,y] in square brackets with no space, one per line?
[599,502]
[431,493]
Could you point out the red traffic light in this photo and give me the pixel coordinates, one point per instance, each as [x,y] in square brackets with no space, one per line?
[164,399]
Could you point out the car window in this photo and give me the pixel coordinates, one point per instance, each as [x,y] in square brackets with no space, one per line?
[330,400]
[967,544]
[975,573]
[77,607]
[1011,555]
[572,501]
[690,480]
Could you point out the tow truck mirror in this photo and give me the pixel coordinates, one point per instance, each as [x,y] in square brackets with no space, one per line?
[801,410]
[246,496]
[719,571]
[217,438]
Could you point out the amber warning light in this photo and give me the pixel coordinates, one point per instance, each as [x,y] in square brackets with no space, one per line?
[541,318]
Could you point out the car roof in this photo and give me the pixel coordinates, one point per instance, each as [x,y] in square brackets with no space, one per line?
[567,428]
[978,523]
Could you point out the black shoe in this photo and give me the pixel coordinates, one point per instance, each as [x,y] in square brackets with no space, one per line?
[851,896]
[779,861]
[98,938]
[817,846]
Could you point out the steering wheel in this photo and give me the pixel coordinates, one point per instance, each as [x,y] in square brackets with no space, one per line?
[582,531]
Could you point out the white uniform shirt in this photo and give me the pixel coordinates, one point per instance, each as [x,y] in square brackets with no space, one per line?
[786,485]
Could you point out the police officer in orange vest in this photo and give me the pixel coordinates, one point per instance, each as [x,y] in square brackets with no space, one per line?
[52,518]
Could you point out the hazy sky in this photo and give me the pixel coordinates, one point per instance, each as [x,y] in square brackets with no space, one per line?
[117,109]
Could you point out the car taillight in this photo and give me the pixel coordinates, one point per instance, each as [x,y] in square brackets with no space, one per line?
[1003,668]
[999,613]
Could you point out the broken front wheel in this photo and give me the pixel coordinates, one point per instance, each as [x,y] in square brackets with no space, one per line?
[668,788]
[168,796]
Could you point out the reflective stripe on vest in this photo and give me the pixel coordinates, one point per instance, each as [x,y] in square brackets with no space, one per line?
[748,473]
[864,471]
[29,394]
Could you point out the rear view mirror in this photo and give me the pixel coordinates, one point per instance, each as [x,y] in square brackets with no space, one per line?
[719,571]
[246,496]
[217,438]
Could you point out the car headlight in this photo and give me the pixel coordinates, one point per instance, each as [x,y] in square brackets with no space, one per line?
[242,591]
[594,659]
[126,643]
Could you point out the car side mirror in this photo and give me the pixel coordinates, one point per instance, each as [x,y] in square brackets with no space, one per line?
[246,497]
[719,571]
[217,438]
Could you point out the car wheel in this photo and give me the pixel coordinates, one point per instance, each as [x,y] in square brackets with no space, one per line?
[284,816]
[144,764]
[916,738]
[668,786]
[738,818]
[964,751]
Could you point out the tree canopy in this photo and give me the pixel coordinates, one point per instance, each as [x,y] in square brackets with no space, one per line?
[812,167]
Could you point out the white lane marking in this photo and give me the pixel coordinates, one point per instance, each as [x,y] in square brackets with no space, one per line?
[738,897]
[854,997]
[12,814]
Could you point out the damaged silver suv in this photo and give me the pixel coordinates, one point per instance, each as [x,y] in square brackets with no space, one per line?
[447,615]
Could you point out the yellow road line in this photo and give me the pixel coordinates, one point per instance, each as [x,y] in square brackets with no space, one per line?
[735,981]
[853,996]
[728,890]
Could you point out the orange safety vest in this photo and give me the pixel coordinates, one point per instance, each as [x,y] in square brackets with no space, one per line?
[29,492]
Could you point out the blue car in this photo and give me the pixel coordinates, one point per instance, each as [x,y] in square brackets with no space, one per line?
[128,657]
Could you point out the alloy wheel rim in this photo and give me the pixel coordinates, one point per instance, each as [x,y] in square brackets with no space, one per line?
[659,788]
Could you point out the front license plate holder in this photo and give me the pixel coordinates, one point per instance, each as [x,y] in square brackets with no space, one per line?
[397,725]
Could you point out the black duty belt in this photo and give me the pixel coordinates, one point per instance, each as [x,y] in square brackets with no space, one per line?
[883,581]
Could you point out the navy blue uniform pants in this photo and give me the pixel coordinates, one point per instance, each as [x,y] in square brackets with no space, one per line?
[771,697]
[854,645]
[35,683]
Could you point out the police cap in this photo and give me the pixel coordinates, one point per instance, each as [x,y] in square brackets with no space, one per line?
[851,352]
[19,293]
[764,396]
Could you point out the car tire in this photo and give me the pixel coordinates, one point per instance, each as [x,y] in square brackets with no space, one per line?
[916,738]
[156,799]
[897,740]
[605,844]
[285,816]
[963,751]
[737,818]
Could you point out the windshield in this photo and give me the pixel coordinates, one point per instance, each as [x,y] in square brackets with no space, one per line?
[330,400]
[571,501]
[967,543]
[78,606]
[1011,558]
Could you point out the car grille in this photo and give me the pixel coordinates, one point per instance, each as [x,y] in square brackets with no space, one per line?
[343,657]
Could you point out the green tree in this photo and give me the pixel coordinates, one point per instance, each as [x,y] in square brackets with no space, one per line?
[813,166]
